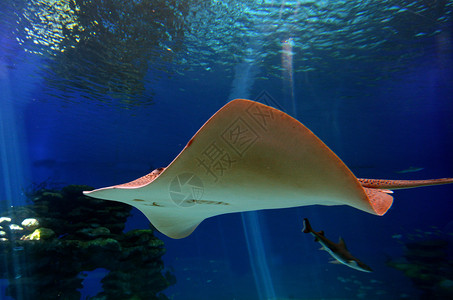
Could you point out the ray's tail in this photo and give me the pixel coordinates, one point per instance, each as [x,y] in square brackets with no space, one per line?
[401,184]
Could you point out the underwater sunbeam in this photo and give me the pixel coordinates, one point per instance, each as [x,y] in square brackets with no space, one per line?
[257,254]
[242,83]
[288,72]
[11,163]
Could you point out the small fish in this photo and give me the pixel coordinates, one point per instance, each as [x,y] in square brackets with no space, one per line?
[337,251]
[410,170]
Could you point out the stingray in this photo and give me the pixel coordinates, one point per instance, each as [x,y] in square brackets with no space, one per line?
[249,156]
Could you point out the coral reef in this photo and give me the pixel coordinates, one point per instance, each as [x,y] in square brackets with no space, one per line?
[63,234]
[427,264]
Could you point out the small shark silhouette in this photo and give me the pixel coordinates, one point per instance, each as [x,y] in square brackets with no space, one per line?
[337,251]
[410,170]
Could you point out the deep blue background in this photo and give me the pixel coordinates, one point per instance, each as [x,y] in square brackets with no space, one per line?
[405,120]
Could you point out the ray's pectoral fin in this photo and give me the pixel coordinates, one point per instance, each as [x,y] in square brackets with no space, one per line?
[174,225]
[381,201]
[170,217]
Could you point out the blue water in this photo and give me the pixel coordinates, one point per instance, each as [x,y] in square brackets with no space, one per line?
[103,107]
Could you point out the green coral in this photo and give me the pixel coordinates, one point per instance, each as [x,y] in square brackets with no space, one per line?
[79,234]
[40,234]
[428,266]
